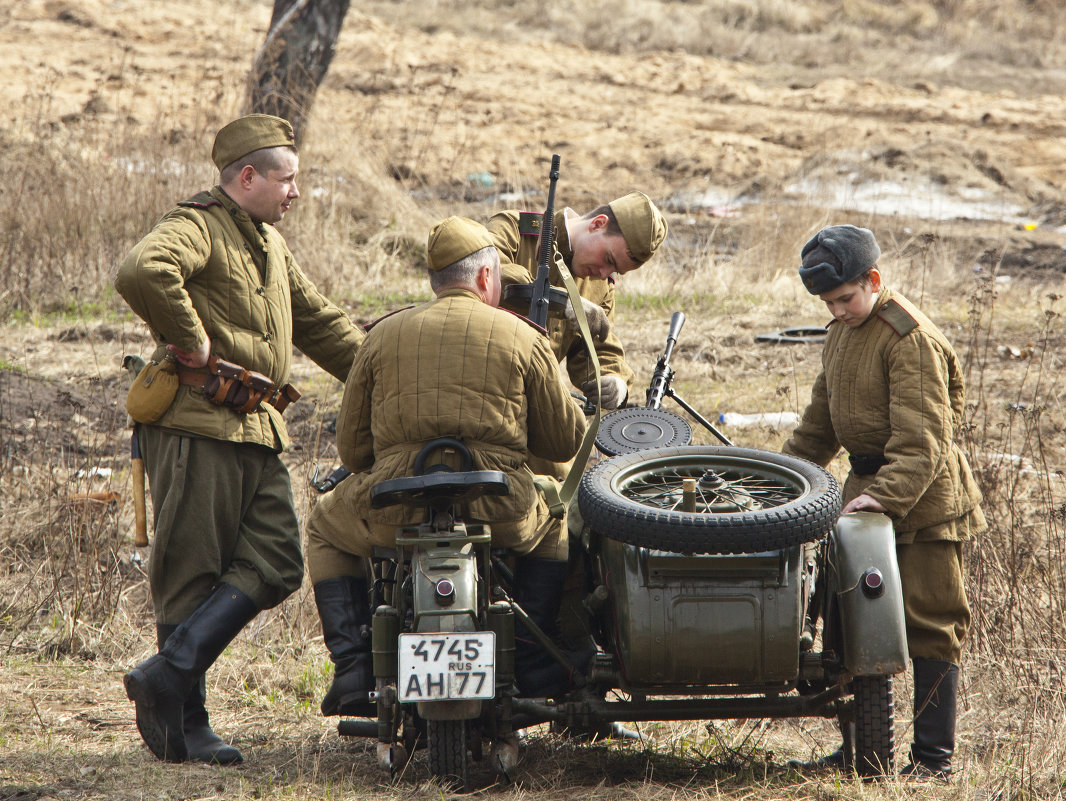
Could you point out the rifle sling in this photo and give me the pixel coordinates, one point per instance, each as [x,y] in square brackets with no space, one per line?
[559,504]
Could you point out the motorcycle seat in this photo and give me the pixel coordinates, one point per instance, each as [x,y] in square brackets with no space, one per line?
[439,490]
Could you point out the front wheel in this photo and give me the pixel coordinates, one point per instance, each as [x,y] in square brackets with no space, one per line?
[447,752]
[874,718]
[709,499]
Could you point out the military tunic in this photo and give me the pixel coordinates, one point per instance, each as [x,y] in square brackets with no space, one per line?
[221,496]
[453,367]
[893,388]
[518,246]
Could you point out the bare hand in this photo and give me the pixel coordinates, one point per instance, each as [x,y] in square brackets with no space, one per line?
[198,358]
[862,503]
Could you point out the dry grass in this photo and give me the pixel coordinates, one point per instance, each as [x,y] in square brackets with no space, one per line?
[74,600]
[74,606]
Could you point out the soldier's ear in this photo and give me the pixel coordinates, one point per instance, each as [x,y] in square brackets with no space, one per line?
[597,223]
[246,176]
[875,279]
[483,279]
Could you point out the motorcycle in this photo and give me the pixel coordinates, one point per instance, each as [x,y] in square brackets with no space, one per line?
[711,582]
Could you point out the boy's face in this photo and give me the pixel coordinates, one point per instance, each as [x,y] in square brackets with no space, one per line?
[598,254]
[852,303]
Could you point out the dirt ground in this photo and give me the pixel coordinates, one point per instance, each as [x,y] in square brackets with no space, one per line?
[961,163]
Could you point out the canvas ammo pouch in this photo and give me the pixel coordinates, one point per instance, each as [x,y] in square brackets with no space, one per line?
[152,391]
[229,384]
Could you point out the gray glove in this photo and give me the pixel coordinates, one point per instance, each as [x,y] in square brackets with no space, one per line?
[611,392]
[599,325]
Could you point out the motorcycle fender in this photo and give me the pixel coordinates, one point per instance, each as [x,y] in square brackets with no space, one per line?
[460,568]
[448,710]
[872,622]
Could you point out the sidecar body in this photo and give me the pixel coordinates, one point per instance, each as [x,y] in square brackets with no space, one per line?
[708,622]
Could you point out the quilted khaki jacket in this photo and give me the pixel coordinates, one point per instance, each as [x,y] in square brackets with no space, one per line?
[207,268]
[455,367]
[893,387]
[519,258]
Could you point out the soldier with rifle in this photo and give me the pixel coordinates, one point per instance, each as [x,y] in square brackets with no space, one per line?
[612,239]
[615,238]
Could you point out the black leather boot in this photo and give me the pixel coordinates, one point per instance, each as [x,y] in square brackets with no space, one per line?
[344,610]
[200,740]
[202,743]
[936,689]
[538,589]
[160,684]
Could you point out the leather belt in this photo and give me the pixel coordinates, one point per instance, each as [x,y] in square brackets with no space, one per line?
[866,464]
[229,384]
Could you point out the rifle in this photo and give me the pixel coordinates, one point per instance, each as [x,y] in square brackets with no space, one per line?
[542,296]
[539,302]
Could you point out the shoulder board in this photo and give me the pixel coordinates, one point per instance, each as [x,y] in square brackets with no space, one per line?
[372,323]
[529,222]
[524,319]
[898,318]
[202,200]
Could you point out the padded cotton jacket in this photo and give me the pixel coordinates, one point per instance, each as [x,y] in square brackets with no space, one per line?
[207,268]
[893,387]
[455,367]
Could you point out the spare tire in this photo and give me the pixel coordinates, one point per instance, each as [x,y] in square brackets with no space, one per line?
[745,500]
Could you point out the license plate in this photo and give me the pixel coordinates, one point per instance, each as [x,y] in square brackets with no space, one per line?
[453,666]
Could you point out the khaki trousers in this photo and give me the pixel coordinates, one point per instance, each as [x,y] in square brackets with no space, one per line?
[339,533]
[934,599]
[223,512]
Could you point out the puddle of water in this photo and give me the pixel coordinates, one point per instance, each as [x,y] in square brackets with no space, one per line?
[927,200]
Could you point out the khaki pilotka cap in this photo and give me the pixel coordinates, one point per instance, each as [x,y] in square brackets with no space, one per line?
[254,132]
[643,225]
[453,239]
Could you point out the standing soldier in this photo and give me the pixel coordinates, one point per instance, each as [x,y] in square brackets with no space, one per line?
[453,367]
[891,393]
[215,280]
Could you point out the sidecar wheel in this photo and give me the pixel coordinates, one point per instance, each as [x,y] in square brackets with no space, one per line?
[447,752]
[746,500]
[874,730]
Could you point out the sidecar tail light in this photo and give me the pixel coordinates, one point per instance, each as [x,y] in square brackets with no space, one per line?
[872,583]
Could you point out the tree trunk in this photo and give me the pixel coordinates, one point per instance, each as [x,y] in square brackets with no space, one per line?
[294,58]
